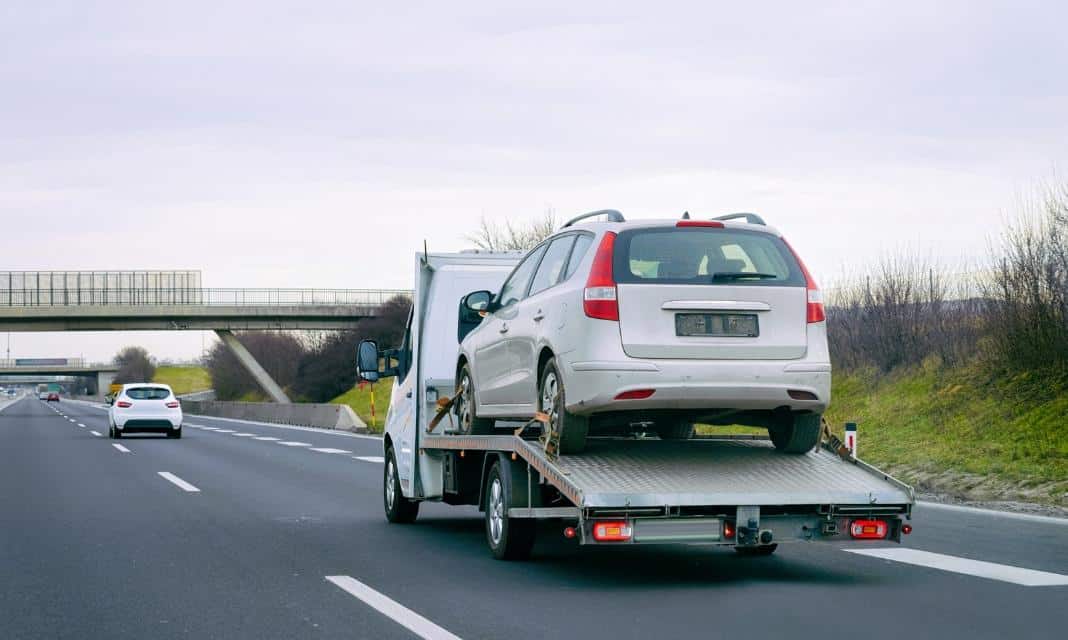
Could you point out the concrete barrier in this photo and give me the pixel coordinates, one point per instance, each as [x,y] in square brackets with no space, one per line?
[324,416]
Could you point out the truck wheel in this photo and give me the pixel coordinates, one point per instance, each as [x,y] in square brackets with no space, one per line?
[764,550]
[675,431]
[796,433]
[571,428]
[508,538]
[470,424]
[399,510]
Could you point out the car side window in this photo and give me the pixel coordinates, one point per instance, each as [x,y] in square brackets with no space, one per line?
[582,244]
[552,265]
[515,288]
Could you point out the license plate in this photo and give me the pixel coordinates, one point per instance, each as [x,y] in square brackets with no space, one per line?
[728,325]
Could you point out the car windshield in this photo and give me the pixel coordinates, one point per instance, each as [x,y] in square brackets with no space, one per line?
[148,393]
[670,255]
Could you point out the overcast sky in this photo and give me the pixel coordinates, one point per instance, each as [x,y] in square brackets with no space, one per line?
[318,144]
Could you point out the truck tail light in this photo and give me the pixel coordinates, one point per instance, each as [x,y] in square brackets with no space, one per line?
[611,531]
[122,404]
[599,298]
[172,404]
[868,529]
[814,307]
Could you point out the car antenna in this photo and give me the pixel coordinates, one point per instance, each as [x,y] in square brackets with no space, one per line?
[685,215]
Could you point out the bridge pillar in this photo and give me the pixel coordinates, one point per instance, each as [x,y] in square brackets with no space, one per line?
[103,383]
[259,374]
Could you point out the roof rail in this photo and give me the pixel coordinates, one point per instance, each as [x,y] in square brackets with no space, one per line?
[613,216]
[751,218]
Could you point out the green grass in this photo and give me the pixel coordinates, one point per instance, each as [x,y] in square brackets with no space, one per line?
[360,401]
[183,379]
[1008,429]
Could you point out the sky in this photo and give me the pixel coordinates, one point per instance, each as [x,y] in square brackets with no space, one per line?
[295,144]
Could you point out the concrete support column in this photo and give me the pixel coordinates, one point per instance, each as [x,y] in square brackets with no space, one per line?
[103,383]
[258,373]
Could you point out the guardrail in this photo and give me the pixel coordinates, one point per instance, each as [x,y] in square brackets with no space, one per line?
[196,297]
[324,416]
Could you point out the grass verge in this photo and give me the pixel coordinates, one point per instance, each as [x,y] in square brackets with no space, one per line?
[183,379]
[360,401]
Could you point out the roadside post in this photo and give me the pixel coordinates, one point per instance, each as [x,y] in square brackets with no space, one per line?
[851,437]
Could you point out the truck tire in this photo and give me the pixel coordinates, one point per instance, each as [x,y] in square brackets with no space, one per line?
[508,538]
[763,550]
[796,433]
[551,400]
[675,431]
[399,510]
[470,423]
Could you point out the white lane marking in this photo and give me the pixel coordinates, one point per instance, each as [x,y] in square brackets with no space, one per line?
[121,448]
[333,432]
[378,459]
[294,444]
[243,435]
[95,433]
[185,486]
[72,419]
[81,425]
[991,570]
[267,439]
[997,514]
[329,450]
[400,614]
[198,426]
[210,428]
[224,431]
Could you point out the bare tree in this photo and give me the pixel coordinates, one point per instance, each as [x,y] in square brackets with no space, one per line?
[135,365]
[278,352]
[511,236]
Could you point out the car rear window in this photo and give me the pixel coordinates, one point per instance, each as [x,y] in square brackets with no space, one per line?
[148,393]
[704,255]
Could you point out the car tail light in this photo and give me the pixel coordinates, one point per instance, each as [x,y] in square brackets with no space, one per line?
[868,529]
[611,531]
[599,298]
[172,405]
[635,394]
[728,531]
[122,404]
[814,308]
[699,223]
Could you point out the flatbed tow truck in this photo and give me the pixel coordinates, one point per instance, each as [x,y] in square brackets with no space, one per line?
[735,491]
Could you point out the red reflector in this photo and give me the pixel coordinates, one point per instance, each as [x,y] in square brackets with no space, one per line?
[599,298]
[699,223]
[570,533]
[636,394]
[172,405]
[613,531]
[868,529]
[906,529]
[123,404]
[728,530]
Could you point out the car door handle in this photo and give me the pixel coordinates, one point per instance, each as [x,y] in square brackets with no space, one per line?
[504,328]
[539,316]
[408,395]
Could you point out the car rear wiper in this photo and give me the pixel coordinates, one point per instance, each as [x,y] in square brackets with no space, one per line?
[740,275]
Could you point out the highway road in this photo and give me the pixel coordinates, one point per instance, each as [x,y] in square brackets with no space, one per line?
[243,530]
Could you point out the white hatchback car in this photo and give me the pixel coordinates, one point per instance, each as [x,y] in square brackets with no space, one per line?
[613,327]
[145,408]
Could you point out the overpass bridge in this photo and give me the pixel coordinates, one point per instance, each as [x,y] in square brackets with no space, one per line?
[176,301]
[27,370]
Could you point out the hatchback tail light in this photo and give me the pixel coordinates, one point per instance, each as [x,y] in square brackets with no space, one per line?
[612,531]
[814,307]
[868,529]
[173,404]
[599,298]
[122,404]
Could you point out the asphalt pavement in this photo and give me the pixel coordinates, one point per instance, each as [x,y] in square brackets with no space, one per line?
[243,530]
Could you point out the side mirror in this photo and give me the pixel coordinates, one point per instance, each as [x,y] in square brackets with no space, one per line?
[478,301]
[473,307]
[367,360]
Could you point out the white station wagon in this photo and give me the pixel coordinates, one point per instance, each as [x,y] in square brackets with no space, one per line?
[145,408]
[653,325]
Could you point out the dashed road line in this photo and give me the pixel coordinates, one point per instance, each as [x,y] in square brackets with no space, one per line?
[400,614]
[223,430]
[96,433]
[267,439]
[329,450]
[175,480]
[954,564]
[81,425]
[243,435]
[378,459]
[120,448]
[294,444]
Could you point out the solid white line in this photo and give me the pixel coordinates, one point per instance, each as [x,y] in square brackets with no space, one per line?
[991,570]
[328,450]
[95,433]
[999,514]
[400,614]
[294,444]
[370,458]
[267,439]
[333,432]
[185,486]
[81,425]
[121,448]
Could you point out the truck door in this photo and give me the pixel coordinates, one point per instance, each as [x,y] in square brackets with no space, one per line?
[400,419]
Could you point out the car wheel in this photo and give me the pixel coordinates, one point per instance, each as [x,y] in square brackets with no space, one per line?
[111,431]
[470,423]
[796,433]
[508,538]
[572,429]
[399,510]
[118,433]
[764,550]
[175,434]
[675,431]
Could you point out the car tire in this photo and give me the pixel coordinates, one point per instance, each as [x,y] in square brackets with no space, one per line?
[796,433]
[175,434]
[508,538]
[763,550]
[470,423]
[675,431]
[571,428]
[111,431]
[399,510]
[118,433]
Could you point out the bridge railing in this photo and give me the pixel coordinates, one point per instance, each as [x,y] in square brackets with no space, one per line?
[36,297]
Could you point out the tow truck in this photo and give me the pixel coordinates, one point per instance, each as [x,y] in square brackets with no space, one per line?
[735,491]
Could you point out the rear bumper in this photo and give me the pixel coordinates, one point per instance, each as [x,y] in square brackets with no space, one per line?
[592,386]
[148,423]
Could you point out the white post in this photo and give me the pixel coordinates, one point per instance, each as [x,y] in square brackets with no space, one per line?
[851,437]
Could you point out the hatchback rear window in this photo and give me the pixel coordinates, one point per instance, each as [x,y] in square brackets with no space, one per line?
[700,255]
[148,393]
